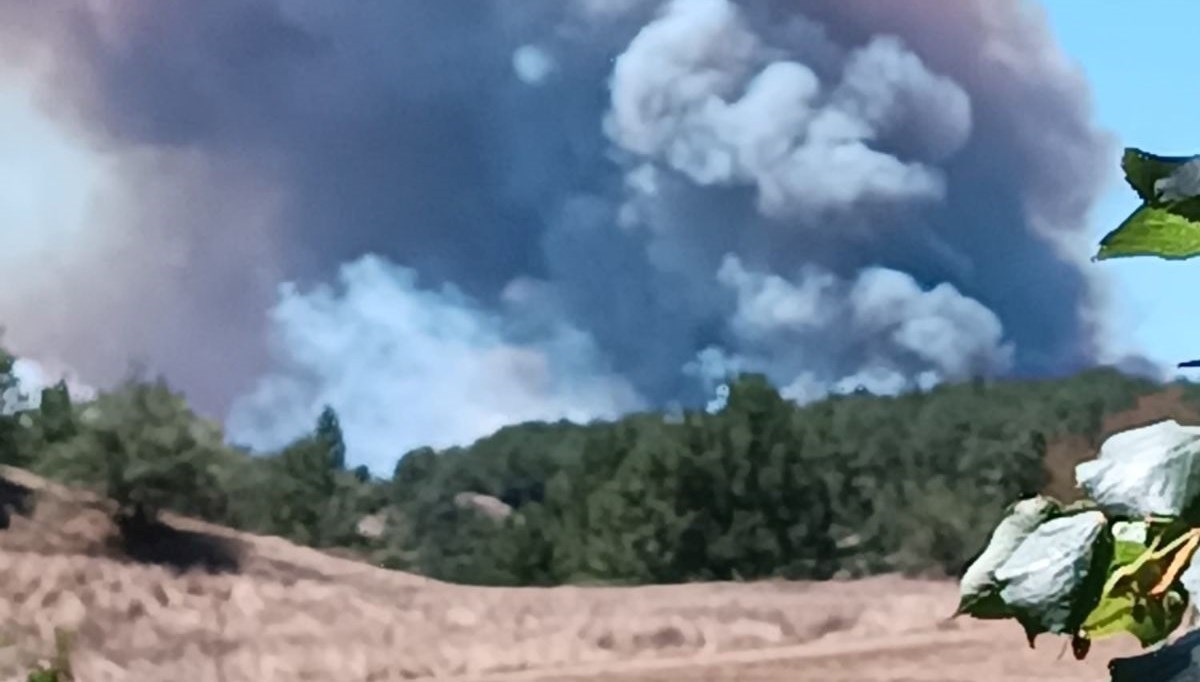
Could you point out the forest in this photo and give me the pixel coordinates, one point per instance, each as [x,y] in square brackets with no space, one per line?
[849,486]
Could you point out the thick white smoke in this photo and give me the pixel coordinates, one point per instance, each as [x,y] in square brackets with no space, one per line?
[880,331]
[410,367]
[698,92]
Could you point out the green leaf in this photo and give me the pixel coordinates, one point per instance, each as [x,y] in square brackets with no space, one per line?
[978,589]
[1169,232]
[1149,471]
[1143,170]
[1150,620]
[1056,576]
[1131,538]
[1128,604]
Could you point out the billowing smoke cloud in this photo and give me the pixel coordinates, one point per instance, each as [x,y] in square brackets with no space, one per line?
[699,93]
[559,208]
[880,332]
[419,367]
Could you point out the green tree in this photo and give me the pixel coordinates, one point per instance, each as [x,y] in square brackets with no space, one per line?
[56,414]
[9,385]
[856,484]
[307,496]
[299,482]
[143,447]
[329,434]
[362,473]
[10,447]
[413,473]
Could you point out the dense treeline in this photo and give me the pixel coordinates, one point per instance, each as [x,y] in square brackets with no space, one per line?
[852,485]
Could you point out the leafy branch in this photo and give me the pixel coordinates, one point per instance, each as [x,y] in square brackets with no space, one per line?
[1125,561]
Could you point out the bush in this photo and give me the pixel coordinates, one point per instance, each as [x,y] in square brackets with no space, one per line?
[142,447]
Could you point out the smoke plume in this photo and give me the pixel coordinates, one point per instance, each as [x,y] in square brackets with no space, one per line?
[441,217]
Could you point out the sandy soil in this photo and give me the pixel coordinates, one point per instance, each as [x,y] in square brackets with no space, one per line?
[288,613]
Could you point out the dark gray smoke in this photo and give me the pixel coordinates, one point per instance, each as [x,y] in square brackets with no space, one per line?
[497,210]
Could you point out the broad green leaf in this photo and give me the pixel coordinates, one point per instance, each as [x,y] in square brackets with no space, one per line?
[978,589]
[1153,470]
[1127,553]
[1055,577]
[1129,602]
[1167,232]
[1150,620]
[1144,170]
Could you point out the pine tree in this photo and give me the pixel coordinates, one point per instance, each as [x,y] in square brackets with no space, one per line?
[329,434]
[9,427]
[56,414]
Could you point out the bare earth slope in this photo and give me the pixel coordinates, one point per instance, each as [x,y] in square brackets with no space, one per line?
[289,613]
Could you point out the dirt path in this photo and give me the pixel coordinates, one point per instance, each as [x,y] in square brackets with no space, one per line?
[983,653]
[798,654]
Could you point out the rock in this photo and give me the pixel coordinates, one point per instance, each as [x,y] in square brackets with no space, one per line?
[371,526]
[487,505]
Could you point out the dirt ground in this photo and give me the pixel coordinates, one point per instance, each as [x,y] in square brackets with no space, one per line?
[288,613]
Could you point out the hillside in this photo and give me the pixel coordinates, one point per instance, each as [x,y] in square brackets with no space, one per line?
[291,613]
[768,540]
[851,486]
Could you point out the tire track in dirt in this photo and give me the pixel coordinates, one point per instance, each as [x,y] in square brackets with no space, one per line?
[808,651]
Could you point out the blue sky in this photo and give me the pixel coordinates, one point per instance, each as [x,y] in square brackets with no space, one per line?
[1139,60]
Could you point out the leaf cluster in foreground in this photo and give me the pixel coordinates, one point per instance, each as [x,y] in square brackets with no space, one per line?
[1122,562]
